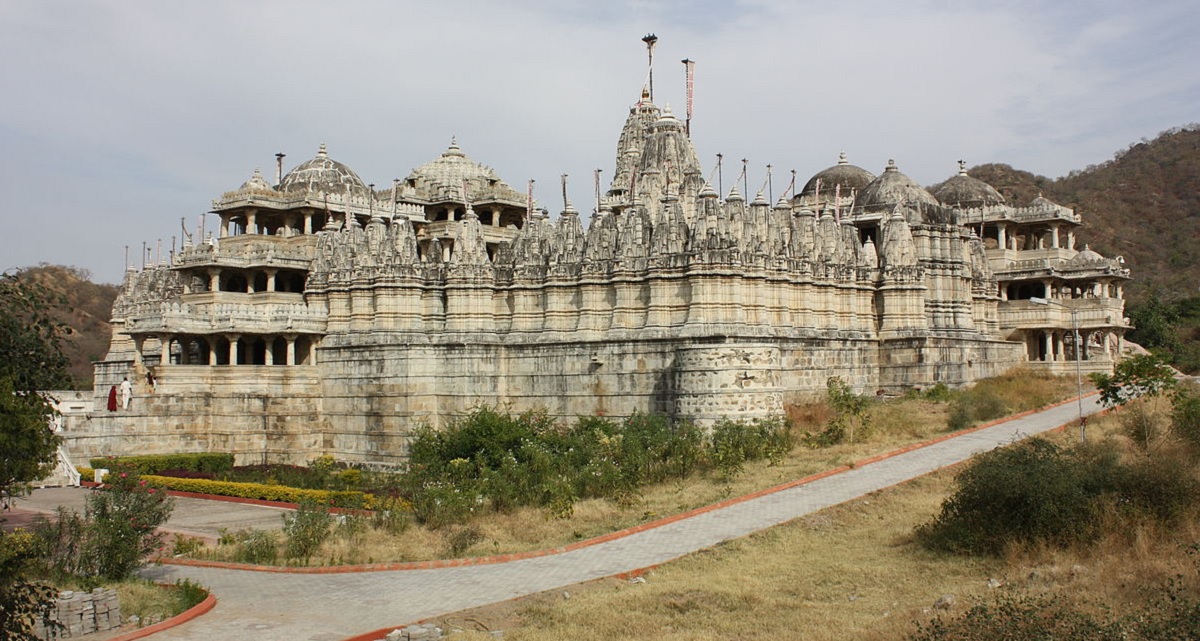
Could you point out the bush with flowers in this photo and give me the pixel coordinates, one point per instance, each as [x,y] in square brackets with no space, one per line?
[116,532]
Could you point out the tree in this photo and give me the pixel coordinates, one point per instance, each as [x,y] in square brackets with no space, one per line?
[31,359]
[1146,377]
[1154,322]
[22,602]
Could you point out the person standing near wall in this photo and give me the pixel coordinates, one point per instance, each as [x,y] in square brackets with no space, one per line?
[126,392]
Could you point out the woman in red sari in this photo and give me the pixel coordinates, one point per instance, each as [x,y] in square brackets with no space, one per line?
[112,398]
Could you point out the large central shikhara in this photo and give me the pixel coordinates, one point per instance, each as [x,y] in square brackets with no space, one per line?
[325,316]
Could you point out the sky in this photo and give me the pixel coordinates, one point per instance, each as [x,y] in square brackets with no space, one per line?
[119,118]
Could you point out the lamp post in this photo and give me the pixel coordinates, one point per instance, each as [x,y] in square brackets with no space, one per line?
[1078,355]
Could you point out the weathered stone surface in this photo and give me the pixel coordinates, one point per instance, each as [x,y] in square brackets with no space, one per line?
[327,317]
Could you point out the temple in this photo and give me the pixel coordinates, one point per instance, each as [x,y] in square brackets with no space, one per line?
[325,316]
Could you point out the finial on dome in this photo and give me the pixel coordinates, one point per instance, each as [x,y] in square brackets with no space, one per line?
[891,166]
[321,151]
[454,142]
[842,159]
[962,168]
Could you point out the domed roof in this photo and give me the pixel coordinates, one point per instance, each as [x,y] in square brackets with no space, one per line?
[257,182]
[850,177]
[962,190]
[323,173]
[893,188]
[442,177]
[1088,255]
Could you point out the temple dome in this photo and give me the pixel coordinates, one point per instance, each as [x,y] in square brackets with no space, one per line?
[849,177]
[442,178]
[1088,255]
[893,188]
[962,190]
[257,183]
[323,173]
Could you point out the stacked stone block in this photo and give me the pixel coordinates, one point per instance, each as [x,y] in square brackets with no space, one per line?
[76,614]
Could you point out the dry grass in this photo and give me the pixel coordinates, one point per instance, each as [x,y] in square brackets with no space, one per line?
[848,572]
[894,423]
[837,574]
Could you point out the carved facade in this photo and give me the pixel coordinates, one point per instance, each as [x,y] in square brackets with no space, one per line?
[327,316]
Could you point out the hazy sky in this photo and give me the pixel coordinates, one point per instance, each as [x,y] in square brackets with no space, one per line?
[118,118]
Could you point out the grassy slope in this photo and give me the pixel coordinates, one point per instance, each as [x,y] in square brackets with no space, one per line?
[849,572]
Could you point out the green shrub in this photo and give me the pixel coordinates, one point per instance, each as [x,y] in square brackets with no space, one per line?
[488,460]
[1163,488]
[463,539]
[189,594]
[306,530]
[393,516]
[124,524]
[118,529]
[262,492]
[210,462]
[975,405]
[1032,491]
[1185,414]
[734,443]
[259,547]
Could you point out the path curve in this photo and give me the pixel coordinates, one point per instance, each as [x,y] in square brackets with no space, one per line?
[261,606]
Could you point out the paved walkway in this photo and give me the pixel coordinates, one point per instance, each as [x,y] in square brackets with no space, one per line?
[258,606]
[192,517]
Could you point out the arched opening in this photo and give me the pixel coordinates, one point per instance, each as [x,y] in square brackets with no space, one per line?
[234,282]
[279,351]
[222,351]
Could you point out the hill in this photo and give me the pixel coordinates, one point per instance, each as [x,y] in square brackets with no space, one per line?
[1144,205]
[86,308]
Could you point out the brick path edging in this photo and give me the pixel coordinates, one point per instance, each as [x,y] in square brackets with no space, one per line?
[203,607]
[381,633]
[603,538]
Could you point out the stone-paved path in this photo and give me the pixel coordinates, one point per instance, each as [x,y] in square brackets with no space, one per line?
[330,607]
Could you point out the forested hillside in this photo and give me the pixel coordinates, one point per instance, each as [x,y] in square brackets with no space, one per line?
[1144,205]
[83,306]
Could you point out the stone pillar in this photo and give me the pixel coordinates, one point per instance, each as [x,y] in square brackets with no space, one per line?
[234,348]
[214,280]
[308,223]
[1054,236]
[1070,239]
[1047,346]
[1002,236]
[271,271]
[496,216]
[291,349]
[224,233]
[251,222]
[1059,347]
[268,351]
[138,343]
[212,350]
[164,349]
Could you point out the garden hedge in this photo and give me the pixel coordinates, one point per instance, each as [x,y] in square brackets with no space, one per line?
[263,492]
[153,463]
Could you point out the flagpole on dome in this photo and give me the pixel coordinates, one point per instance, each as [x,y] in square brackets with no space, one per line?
[650,40]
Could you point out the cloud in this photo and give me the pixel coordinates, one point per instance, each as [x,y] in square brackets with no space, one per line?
[124,117]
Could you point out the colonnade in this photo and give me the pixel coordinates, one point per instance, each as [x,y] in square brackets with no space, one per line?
[232,349]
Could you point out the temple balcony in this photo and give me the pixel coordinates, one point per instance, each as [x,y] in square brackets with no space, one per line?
[1091,312]
[443,229]
[203,300]
[225,317]
[251,250]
